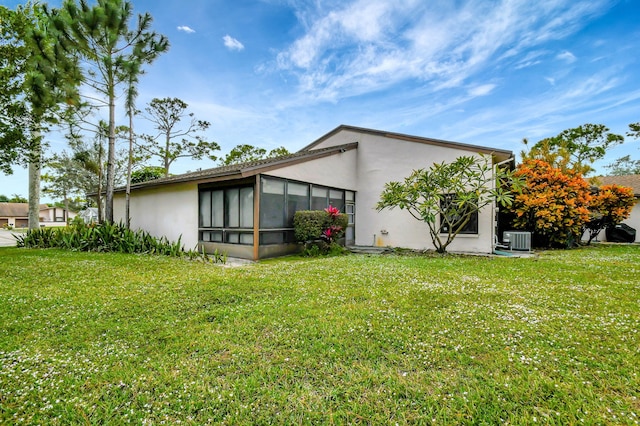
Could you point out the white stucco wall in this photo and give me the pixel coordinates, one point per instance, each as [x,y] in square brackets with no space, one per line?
[167,211]
[338,170]
[380,160]
[633,221]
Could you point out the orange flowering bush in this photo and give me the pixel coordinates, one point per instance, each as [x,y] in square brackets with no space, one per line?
[553,205]
[609,206]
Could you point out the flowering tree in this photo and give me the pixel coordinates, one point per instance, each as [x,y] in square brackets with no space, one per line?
[609,206]
[554,204]
[447,195]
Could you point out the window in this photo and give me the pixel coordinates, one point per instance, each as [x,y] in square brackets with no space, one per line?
[280,199]
[272,204]
[453,215]
[297,199]
[228,215]
[319,198]
[336,199]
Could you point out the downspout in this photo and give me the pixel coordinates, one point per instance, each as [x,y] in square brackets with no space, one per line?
[494,228]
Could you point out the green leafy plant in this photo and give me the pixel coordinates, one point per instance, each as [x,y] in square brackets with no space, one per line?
[108,237]
[447,195]
[319,231]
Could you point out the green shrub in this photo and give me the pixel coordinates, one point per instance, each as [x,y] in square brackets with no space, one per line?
[108,237]
[319,231]
[309,224]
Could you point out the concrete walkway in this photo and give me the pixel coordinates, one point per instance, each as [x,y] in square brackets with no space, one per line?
[6,239]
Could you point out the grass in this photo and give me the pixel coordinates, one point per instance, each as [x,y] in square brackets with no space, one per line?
[100,338]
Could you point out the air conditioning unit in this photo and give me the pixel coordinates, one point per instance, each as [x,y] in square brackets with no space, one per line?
[517,240]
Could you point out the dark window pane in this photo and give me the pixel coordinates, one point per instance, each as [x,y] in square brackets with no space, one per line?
[217,203]
[319,198]
[246,207]
[272,204]
[297,199]
[454,215]
[205,209]
[232,237]
[246,238]
[267,238]
[232,208]
[336,199]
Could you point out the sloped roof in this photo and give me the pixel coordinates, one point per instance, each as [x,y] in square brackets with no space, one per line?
[245,169]
[632,181]
[500,154]
[17,209]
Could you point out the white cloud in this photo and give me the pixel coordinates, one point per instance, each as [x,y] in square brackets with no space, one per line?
[232,44]
[371,45]
[482,90]
[566,56]
[551,80]
[186,29]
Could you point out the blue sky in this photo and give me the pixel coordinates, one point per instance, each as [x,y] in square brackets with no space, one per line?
[285,72]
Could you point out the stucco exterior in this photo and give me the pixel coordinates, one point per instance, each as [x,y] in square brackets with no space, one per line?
[164,211]
[338,171]
[383,158]
[350,159]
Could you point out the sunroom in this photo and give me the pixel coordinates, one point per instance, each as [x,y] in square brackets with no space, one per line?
[253,218]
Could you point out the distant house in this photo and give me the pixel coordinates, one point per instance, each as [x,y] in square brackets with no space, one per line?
[17,215]
[90,214]
[631,181]
[247,210]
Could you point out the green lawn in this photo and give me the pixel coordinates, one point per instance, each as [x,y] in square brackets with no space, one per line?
[109,339]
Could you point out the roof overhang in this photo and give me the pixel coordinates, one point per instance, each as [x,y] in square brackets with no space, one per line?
[498,155]
[239,171]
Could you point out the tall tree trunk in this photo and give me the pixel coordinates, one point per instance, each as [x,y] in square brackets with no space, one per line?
[111,156]
[100,176]
[66,208]
[166,156]
[129,162]
[35,164]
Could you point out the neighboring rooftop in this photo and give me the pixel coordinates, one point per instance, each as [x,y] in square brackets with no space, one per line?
[17,209]
[632,181]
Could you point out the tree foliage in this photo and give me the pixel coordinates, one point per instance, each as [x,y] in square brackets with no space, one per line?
[634,130]
[62,180]
[100,35]
[177,133]
[553,205]
[245,153]
[624,166]
[447,195]
[15,198]
[38,77]
[147,173]
[575,149]
[610,205]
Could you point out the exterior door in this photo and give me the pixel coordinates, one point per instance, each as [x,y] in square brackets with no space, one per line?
[350,210]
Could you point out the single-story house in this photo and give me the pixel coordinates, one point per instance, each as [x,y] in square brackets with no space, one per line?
[89,215]
[246,210]
[631,181]
[16,215]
